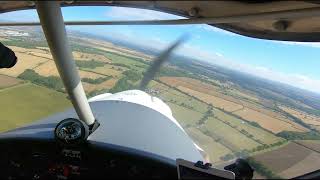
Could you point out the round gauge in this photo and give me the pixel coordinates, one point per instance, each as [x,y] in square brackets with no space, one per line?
[70,131]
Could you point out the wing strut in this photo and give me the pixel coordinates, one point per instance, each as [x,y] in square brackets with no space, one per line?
[54,29]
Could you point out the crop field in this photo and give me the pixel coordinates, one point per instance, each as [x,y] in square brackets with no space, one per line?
[25,61]
[214,149]
[291,160]
[226,114]
[33,102]
[234,140]
[183,115]
[7,81]
[47,69]
[215,101]
[189,83]
[88,57]
[270,123]
[311,144]
[307,118]
[108,84]
[110,70]
[257,133]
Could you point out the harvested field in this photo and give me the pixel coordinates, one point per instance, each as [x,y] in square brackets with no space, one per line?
[18,49]
[312,144]
[215,101]
[108,84]
[25,61]
[41,54]
[305,117]
[272,124]
[49,69]
[7,81]
[291,160]
[189,83]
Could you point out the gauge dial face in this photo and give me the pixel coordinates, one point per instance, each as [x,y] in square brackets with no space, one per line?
[69,130]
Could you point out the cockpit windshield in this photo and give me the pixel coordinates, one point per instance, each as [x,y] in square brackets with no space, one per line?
[234,96]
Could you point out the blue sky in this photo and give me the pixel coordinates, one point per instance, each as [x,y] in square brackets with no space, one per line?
[289,62]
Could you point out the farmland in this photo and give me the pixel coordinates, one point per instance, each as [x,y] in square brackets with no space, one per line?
[291,160]
[227,114]
[7,81]
[33,102]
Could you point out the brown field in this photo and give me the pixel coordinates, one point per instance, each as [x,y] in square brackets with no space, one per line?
[41,54]
[312,144]
[47,69]
[291,160]
[215,101]
[88,57]
[305,117]
[19,49]
[268,119]
[25,61]
[263,110]
[105,85]
[268,122]
[212,90]
[107,46]
[189,83]
[7,81]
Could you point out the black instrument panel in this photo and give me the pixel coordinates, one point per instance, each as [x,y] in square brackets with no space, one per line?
[36,159]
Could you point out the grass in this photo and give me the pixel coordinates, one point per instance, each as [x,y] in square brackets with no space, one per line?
[27,103]
[180,98]
[258,133]
[214,149]
[183,115]
[123,60]
[228,134]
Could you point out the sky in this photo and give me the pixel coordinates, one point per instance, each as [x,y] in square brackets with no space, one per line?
[293,63]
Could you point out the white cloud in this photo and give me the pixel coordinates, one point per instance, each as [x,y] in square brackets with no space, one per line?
[297,80]
[124,13]
[308,44]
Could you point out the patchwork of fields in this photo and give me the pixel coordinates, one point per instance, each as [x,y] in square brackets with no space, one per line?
[225,120]
[292,160]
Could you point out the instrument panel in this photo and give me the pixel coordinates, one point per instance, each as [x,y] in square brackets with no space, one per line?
[50,160]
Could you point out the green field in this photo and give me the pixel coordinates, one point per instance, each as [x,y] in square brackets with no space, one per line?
[26,103]
[183,115]
[258,133]
[116,58]
[179,98]
[214,149]
[229,136]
